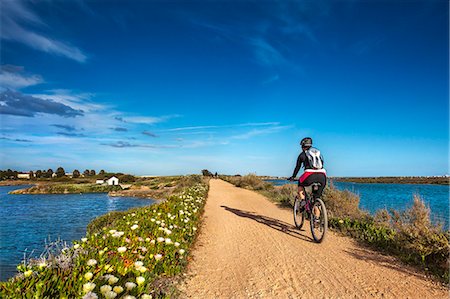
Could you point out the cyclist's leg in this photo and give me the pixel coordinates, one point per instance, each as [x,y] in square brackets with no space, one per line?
[301,184]
[316,178]
[301,192]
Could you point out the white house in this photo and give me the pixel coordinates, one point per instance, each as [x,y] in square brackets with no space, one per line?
[113,181]
[23,176]
[100,182]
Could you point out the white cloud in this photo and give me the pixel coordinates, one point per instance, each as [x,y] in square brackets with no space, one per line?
[15,14]
[80,101]
[258,132]
[149,120]
[13,77]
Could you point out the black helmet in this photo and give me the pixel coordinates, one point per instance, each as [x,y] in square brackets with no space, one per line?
[307,141]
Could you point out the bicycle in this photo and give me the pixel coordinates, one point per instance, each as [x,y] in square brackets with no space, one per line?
[314,209]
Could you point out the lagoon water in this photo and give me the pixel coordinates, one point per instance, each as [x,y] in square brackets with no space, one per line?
[27,221]
[397,196]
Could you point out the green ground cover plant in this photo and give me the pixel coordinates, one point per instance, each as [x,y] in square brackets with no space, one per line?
[64,188]
[409,235]
[124,254]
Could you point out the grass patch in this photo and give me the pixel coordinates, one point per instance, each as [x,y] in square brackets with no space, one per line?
[409,235]
[61,188]
[130,253]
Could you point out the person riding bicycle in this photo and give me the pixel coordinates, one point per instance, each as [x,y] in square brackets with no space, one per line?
[314,172]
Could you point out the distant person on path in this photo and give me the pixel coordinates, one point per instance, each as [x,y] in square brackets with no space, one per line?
[215,175]
[312,162]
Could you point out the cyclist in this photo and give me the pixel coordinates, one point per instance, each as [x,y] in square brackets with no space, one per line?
[314,172]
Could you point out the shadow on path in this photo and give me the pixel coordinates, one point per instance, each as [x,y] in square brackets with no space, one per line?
[389,262]
[272,223]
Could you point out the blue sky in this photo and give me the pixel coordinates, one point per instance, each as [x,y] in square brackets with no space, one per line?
[160,88]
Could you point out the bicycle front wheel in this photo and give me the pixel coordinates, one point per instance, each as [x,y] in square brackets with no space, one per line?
[299,216]
[319,220]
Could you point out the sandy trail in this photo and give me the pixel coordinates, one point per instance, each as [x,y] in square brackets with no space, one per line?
[249,248]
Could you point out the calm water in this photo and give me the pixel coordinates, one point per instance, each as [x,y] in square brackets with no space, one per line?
[26,221]
[397,196]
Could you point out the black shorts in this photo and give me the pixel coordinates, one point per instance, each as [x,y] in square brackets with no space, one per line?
[315,178]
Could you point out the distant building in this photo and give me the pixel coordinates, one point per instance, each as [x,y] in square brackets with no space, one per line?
[113,181]
[54,175]
[69,174]
[23,176]
[100,182]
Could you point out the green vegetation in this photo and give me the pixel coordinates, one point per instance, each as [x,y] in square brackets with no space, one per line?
[437,180]
[136,253]
[409,235]
[66,189]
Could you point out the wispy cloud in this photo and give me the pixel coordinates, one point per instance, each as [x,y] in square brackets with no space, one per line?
[15,139]
[16,103]
[149,120]
[71,134]
[16,17]
[221,126]
[125,144]
[147,133]
[65,127]
[265,53]
[14,77]
[119,129]
[258,132]
[290,21]
[80,101]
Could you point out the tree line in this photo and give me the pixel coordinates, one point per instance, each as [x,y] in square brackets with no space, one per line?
[49,173]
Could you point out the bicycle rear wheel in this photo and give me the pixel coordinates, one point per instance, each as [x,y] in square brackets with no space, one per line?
[319,220]
[299,216]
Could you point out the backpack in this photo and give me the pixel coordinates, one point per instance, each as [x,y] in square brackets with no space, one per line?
[315,158]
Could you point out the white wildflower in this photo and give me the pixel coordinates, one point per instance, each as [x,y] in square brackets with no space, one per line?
[90,295]
[88,275]
[121,249]
[181,251]
[118,289]
[105,288]
[110,295]
[87,287]
[84,240]
[130,285]
[91,262]
[113,280]
[140,280]
[158,257]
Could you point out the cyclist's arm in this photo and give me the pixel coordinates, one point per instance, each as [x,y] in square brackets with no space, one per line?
[298,166]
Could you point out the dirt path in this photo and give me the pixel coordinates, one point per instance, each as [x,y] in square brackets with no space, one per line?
[248,248]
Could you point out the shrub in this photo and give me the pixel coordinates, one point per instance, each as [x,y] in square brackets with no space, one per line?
[342,203]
